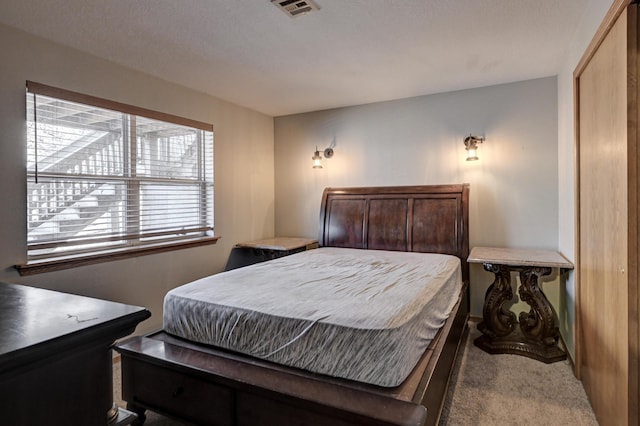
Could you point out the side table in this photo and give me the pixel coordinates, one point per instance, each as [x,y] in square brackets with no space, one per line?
[534,334]
[250,252]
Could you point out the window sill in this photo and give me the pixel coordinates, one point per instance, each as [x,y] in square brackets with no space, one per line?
[67,262]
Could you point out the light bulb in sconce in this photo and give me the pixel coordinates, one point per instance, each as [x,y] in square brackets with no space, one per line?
[471,145]
[317,158]
[472,154]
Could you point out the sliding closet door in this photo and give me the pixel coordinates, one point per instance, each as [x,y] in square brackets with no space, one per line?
[607,264]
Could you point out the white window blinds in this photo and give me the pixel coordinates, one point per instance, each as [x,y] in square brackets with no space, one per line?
[104,176]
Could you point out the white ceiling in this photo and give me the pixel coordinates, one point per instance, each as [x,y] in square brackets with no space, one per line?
[349,52]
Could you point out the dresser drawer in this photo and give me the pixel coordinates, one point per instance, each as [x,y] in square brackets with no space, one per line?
[188,397]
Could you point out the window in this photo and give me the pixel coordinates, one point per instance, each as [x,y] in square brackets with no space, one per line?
[110,180]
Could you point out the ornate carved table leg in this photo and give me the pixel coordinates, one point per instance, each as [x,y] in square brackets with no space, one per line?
[537,336]
[496,320]
[538,325]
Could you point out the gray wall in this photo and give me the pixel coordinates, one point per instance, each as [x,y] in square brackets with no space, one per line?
[244,176]
[514,185]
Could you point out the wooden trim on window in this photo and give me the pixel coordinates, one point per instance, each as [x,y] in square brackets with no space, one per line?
[50,265]
[67,95]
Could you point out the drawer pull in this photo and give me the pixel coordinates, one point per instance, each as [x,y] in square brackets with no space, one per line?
[177,392]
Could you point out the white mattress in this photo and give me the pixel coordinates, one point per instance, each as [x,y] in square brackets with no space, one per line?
[363,315]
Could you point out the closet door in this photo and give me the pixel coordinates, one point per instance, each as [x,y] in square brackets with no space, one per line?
[607,305]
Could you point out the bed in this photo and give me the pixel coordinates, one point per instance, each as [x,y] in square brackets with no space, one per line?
[186,375]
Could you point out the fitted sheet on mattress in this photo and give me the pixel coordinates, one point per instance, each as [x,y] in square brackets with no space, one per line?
[363,315]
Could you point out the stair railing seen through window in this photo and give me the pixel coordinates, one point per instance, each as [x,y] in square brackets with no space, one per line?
[104,177]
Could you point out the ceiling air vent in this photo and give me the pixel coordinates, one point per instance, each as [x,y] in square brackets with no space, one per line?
[295,8]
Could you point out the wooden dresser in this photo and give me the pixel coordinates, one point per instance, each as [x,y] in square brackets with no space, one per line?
[56,363]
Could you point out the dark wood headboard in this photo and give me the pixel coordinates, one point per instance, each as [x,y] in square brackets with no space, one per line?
[430,219]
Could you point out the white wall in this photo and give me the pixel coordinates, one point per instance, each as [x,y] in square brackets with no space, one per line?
[244,176]
[514,185]
[592,17]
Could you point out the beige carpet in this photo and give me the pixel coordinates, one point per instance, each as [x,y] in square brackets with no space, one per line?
[513,390]
[491,390]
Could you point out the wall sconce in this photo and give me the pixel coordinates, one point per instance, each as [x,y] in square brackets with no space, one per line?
[471,145]
[317,158]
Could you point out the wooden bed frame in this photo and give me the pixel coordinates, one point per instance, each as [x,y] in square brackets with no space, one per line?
[209,386]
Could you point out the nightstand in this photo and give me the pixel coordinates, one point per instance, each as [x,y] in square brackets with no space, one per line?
[533,334]
[250,252]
